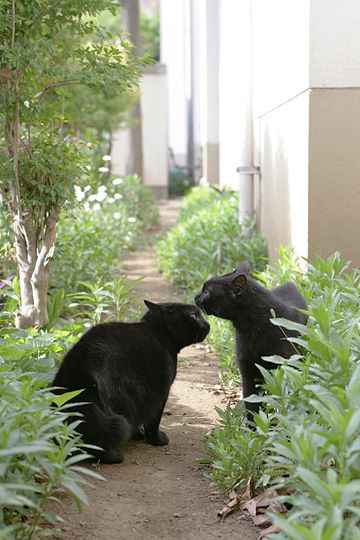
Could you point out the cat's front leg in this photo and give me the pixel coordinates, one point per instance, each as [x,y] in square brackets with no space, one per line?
[152,434]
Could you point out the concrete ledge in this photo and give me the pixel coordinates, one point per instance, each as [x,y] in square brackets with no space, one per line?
[160,192]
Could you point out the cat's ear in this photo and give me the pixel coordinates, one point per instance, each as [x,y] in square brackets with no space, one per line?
[153,308]
[243,268]
[239,284]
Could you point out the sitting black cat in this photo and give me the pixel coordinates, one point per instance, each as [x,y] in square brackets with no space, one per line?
[247,304]
[126,370]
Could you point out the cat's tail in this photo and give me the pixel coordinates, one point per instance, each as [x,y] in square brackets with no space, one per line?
[108,430]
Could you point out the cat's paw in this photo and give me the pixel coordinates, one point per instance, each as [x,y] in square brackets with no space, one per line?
[114,455]
[157,439]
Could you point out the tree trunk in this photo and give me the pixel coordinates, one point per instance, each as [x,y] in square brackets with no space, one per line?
[130,21]
[34,263]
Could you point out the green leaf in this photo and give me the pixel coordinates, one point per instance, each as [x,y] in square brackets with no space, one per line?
[61,399]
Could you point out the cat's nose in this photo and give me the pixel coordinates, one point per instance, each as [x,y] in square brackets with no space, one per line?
[198,301]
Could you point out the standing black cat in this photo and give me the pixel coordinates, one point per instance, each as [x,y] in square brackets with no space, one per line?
[126,370]
[247,304]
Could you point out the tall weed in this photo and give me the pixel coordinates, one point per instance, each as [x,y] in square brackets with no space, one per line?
[208,240]
[39,457]
[93,237]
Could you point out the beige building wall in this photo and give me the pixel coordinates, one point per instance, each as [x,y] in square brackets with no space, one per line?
[334,172]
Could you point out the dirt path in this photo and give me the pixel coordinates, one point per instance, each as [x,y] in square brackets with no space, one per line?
[161,493]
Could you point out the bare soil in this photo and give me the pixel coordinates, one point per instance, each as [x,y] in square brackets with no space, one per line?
[162,492]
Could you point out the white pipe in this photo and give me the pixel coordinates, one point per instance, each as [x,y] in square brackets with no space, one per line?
[246,181]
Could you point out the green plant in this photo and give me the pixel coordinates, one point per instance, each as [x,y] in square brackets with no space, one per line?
[310,425]
[103,226]
[39,457]
[236,454]
[208,239]
[100,301]
[38,353]
[222,339]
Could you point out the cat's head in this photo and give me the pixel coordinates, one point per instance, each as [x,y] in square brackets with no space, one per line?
[221,295]
[183,322]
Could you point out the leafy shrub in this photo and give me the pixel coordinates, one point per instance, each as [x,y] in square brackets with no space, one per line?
[100,301]
[309,428]
[208,239]
[94,236]
[39,457]
[222,339]
[236,455]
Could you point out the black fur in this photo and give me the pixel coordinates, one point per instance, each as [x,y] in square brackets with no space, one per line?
[126,370]
[247,304]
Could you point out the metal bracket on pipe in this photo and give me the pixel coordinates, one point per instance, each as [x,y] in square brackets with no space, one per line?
[248,170]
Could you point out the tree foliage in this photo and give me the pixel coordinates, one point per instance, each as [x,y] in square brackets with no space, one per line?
[47,48]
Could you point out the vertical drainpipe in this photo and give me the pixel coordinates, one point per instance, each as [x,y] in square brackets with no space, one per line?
[246,169]
[190,91]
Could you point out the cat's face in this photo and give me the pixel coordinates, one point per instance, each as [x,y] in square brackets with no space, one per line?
[221,295]
[183,321]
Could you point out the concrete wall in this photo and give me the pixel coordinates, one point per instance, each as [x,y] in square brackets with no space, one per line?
[334,171]
[307,118]
[234,90]
[284,143]
[154,130]
[173,55]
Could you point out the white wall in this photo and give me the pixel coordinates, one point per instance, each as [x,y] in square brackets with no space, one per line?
[280,51]
[335,43]
[234,90]
[173,54]
[154,130]
[281,30]
[284,143]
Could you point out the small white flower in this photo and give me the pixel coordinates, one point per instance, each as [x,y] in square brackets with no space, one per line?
[131,219]
[103,169]
[102,188]
[92,198]
[79,194]
[111,200]
[96,207]
[117,181]
[118,196]
[106,158]
[86,207]
[101,196]
[117,215]
[87,188]
[26,103]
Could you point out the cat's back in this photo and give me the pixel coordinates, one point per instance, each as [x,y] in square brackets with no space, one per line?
[107,338]
[292,301]
[111,348]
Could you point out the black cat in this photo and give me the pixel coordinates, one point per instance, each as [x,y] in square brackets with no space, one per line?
[247,304]
[126,370]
